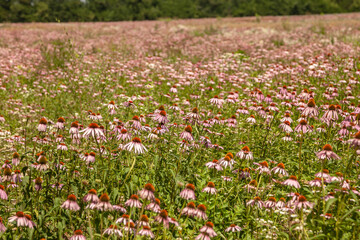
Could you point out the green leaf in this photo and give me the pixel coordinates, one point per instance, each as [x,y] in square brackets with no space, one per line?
[329,203]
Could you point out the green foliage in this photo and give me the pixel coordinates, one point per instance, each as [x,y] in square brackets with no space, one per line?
[118,10]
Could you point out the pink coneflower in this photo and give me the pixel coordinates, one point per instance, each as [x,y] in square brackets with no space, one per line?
[38,183]
[292,182]
[194,114]
[74,129]
[135,146]
[143,221]
[280,169]
[104,203]
[189,210]
[133,202]
[310,110]
[135,123]
[233,228]
[327,153]
[203,236]
[245,153]
[188,193]
[62,147]
[154,206]
[113,230]
[270,203]
[146,231]
[302,203]
[285,126]
[78,235]
[7,175]
[251,119]
[124,135]
[2,226]
[147,192]
[163,218]
[201,211]
[330,115]
[210,188]
[355,142]
[317,182]
[31,224]
[60,123]
[124,219]
[214,164]
[71,203]
[42,125]
[187,134]
[281,203]
[263,167]
[20,219]
[16,159]
[119,208]
[303,127]
[130,228]
[161,117]
[43,164]
[323,174]
[256,201]
[93,130]
[217,101]
[343,131]
[208,228]
[17,176]
[287,117]
[173,221]
[227,161]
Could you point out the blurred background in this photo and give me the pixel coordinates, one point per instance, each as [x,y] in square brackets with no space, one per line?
[120,10]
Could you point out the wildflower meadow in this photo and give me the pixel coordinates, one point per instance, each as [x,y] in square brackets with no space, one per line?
[227,128]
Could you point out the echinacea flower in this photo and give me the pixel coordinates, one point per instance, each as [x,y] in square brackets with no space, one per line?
[210,188]
[303,127]
[163,218]
[133,202]
[208,228]
[93,130]
[154,206]
[146,232]
[292,182]
[78,235]
[188,193]
[16,159]
[270,203]
[189,210]
[2,226]
[355,142]
[113,230]
[256,201]
[31,224]
[20,219]
[186,135]
[233,228]
[327,153]
[42,125]
[143,221]
[214,164]
[135,146]
[280,169]
[104,203]
[302,203]
[147,192]
[245,153]
[201,212]
[71,203]
[310,110]
[124,219]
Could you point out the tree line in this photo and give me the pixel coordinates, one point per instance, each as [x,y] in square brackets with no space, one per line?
[118,10]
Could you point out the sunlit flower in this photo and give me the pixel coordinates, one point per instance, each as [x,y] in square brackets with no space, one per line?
[188,193]
[113,230]
[327,153]
[147,192]
[292,182]
[135,146]
[93,130]
[20,219]
[78,235]
[154,206]
[233,228]
[133,202]
[210,188]
[146,231]
[71,203]
[201,212]
[163,218]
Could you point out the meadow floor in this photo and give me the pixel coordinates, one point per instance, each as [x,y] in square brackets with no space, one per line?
[229,128]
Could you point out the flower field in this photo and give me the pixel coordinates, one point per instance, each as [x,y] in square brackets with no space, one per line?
[235,128]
